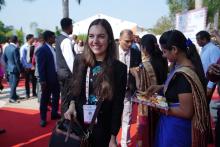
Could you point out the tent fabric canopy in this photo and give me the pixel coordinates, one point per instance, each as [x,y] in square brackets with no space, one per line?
[117,25]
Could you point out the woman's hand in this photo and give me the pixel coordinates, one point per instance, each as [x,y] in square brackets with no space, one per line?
[113,142]
[71,111]
[135,72]
[213,73]
[153,89]
[214,69]
[159,110]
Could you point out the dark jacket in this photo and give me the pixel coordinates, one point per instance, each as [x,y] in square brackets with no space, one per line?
[109,117]
[46,65]
[12,61]
[135,60]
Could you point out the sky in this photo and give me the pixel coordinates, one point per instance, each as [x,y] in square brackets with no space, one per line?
[47,13]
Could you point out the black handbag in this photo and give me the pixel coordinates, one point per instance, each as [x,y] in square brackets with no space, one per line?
[69,133]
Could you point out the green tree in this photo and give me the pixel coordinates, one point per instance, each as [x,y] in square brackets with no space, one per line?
[57,31]
[39,31]
[82,37]
[213,7]
[167,22]
[20,35]
[5,31]
[176,6]
[163,24]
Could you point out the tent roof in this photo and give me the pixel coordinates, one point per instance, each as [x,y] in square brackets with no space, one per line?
[81,27]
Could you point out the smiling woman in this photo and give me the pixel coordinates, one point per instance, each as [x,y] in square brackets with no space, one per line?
[98,75]
[98,41]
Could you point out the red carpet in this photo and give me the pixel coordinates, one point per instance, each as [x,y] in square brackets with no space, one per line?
[20,84]
[215,96]
[22,128]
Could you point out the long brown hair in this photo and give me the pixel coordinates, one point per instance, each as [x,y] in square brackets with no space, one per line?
[103,85]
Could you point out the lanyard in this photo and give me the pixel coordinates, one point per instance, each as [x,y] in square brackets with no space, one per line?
[87,85]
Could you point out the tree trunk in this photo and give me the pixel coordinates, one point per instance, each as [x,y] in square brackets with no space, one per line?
[216,18]
[198,4]
[65,4]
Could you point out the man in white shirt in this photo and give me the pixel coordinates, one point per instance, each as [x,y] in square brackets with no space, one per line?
[26,60]
[210,53]
[132,58]
[65,58]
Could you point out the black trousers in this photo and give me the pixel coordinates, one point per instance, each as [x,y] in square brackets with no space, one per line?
[64,84]
[29,76]
[100,132]
[46,98]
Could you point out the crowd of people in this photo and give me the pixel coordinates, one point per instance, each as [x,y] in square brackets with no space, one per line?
[116,71]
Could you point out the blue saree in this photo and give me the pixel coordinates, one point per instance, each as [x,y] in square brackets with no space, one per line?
[180,132]
[173,132]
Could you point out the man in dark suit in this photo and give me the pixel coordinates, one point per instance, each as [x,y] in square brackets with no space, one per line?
[132,58]
[46,59]
[12,67]
[65,59]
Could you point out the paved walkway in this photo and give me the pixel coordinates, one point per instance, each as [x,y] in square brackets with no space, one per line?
[31,103]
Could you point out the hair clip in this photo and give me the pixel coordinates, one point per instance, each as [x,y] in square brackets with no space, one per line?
[188,42]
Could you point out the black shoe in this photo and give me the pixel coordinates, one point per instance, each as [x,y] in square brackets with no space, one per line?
[54,117]
[20,98]
[13,101]
[34,95]
[2,131]
[1,87]
[27,96]
[43,123]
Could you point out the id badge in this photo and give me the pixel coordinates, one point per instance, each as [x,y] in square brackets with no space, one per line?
[88,112]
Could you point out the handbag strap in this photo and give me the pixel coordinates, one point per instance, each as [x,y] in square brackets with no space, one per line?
[99,104]
[73,119]
[68,133]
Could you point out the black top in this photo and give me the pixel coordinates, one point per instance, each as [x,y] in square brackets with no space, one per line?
[179,84]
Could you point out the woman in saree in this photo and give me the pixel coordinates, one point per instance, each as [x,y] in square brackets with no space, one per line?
[186,123]
[153,70]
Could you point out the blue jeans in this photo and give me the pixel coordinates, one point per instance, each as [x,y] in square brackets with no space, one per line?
[38,89]
[13,82]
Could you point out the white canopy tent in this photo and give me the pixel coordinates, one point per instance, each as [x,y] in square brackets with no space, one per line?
[117,25]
